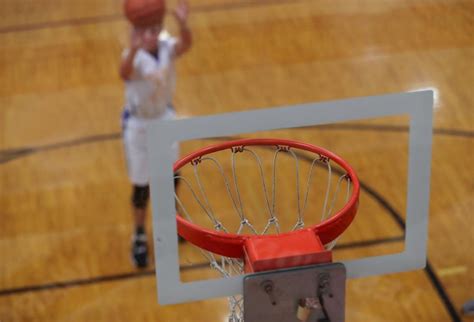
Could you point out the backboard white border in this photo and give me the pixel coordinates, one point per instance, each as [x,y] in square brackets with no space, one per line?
[162,134]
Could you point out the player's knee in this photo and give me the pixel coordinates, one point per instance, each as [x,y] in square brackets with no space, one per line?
[140,196]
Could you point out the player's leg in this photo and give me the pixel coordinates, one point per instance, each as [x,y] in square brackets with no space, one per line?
[134,136]
[468,308]
[140,197]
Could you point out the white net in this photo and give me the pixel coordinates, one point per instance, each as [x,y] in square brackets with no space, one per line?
[264,174]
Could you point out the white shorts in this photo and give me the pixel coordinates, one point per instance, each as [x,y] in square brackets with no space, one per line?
[136,150]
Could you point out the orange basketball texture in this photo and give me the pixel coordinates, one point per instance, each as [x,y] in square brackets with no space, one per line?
[142,13]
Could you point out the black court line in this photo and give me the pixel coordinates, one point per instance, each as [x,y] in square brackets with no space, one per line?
[74,283]
[398,218]
[13,154]
[241,4]
[435,281]
[8,155]
[151,272]
[120,16]
[60,23]
[369,243]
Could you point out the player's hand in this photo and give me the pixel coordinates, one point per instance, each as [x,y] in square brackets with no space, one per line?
[181,12]
[136,40]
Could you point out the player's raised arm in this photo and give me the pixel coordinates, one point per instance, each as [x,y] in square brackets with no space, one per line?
[185,38]
[126,66]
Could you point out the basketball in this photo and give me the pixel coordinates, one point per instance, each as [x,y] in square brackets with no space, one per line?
[143,13]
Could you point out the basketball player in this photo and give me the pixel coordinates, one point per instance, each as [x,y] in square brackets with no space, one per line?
[147,68]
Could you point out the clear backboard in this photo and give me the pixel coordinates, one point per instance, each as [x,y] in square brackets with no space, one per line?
[181,277]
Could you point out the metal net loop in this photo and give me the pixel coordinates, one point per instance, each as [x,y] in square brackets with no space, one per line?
[334,188]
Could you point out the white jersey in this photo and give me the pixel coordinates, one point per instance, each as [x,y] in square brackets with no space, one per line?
[148,98]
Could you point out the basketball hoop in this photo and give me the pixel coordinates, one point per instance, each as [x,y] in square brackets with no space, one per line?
[232,253]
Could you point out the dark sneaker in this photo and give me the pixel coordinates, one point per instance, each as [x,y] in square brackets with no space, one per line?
[140,251]
[468,308]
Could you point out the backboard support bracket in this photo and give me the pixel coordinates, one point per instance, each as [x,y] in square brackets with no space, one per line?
[305,294]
